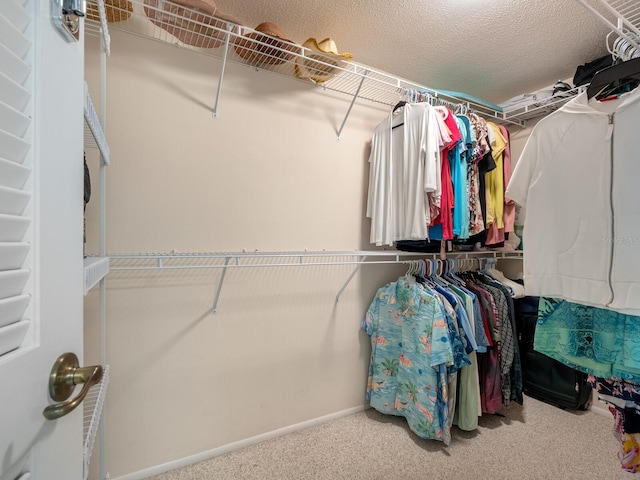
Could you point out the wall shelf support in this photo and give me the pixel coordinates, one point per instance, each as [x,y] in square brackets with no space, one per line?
[222,69]
[353,274]
[353,100]
[214,309]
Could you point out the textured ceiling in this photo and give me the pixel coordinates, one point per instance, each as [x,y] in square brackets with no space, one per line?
[493,49]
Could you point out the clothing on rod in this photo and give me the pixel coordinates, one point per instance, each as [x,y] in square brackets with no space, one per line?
[443,349]
[438,176]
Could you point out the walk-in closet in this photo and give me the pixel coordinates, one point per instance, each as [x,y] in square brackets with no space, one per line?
[311,237]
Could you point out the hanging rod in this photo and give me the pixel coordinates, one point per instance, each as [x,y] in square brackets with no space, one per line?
[358,258]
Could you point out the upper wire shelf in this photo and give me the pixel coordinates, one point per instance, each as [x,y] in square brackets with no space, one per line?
[168,22]
[539,108]
[621,16]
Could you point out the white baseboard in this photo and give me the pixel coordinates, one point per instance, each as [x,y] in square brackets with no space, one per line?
[199,457]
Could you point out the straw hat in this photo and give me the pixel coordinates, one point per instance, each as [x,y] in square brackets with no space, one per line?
[254,47]
[116,10]
[320,67]
[198,23]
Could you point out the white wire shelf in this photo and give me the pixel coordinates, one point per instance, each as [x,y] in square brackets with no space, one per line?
[173,260]
[95,269]
[167,22]
[93,406]
[93,133]
[226,260]
[540,108]
[621,16]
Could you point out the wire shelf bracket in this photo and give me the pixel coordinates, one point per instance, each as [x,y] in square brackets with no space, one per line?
[222,69]
[353,100]
[214,309]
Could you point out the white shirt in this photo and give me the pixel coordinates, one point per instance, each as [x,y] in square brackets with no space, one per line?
[404,167]
[578,177]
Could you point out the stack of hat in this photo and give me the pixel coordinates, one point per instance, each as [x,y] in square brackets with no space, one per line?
[116,10]
[267,45]
[324,64]
[194,22]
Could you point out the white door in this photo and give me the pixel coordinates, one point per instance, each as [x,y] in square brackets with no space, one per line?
[41,209]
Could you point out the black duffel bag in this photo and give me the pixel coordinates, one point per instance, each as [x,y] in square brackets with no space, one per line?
[584,73]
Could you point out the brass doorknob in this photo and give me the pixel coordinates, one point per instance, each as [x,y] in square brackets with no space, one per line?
[66,373]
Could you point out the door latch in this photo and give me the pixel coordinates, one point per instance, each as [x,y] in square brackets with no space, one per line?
[66,15]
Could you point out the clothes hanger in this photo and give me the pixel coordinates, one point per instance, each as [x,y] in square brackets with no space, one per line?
[608,80]
[437,273]
[423,275]
[453,269]
[401,103]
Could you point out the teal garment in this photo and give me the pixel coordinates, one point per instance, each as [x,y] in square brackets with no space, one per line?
[409,343]
[593,340]
[471,98]
[458,166]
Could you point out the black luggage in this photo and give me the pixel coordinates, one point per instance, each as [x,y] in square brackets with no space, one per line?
[543,377]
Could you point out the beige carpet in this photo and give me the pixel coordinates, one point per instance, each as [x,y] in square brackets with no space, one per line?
[536,441]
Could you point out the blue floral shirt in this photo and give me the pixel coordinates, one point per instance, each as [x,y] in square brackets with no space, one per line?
[409,342]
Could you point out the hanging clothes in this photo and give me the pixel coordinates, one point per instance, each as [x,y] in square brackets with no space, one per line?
[597,341]
[443,350]
[495,179]
[435,176]
[442,226]
[458,161]
[404,168]
[409,340]
[582,242]
[495,232]
[582,232]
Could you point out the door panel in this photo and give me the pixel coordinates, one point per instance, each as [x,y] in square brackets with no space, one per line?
[41,191]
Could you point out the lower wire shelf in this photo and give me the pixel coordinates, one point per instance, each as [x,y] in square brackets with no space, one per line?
[93,407]
[95,269]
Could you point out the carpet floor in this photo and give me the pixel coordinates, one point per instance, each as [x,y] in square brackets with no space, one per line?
[532,442]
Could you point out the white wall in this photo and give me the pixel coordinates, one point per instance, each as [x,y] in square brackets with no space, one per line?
[267,174]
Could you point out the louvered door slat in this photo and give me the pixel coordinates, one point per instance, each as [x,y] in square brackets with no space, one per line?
[13,175]
[14,148]
[13,38]
[16,187]
[13,93]
[14,67]
[12,120]
[15,13]
[12,282]
[13,201]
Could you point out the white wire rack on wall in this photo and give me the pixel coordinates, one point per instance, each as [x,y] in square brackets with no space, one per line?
[621,16]
[229,260]
[93,407]
[97,267]
[178,25]
[93,134]
[537,109]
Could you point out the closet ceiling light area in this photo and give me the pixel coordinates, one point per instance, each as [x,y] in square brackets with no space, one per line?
[490,49]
